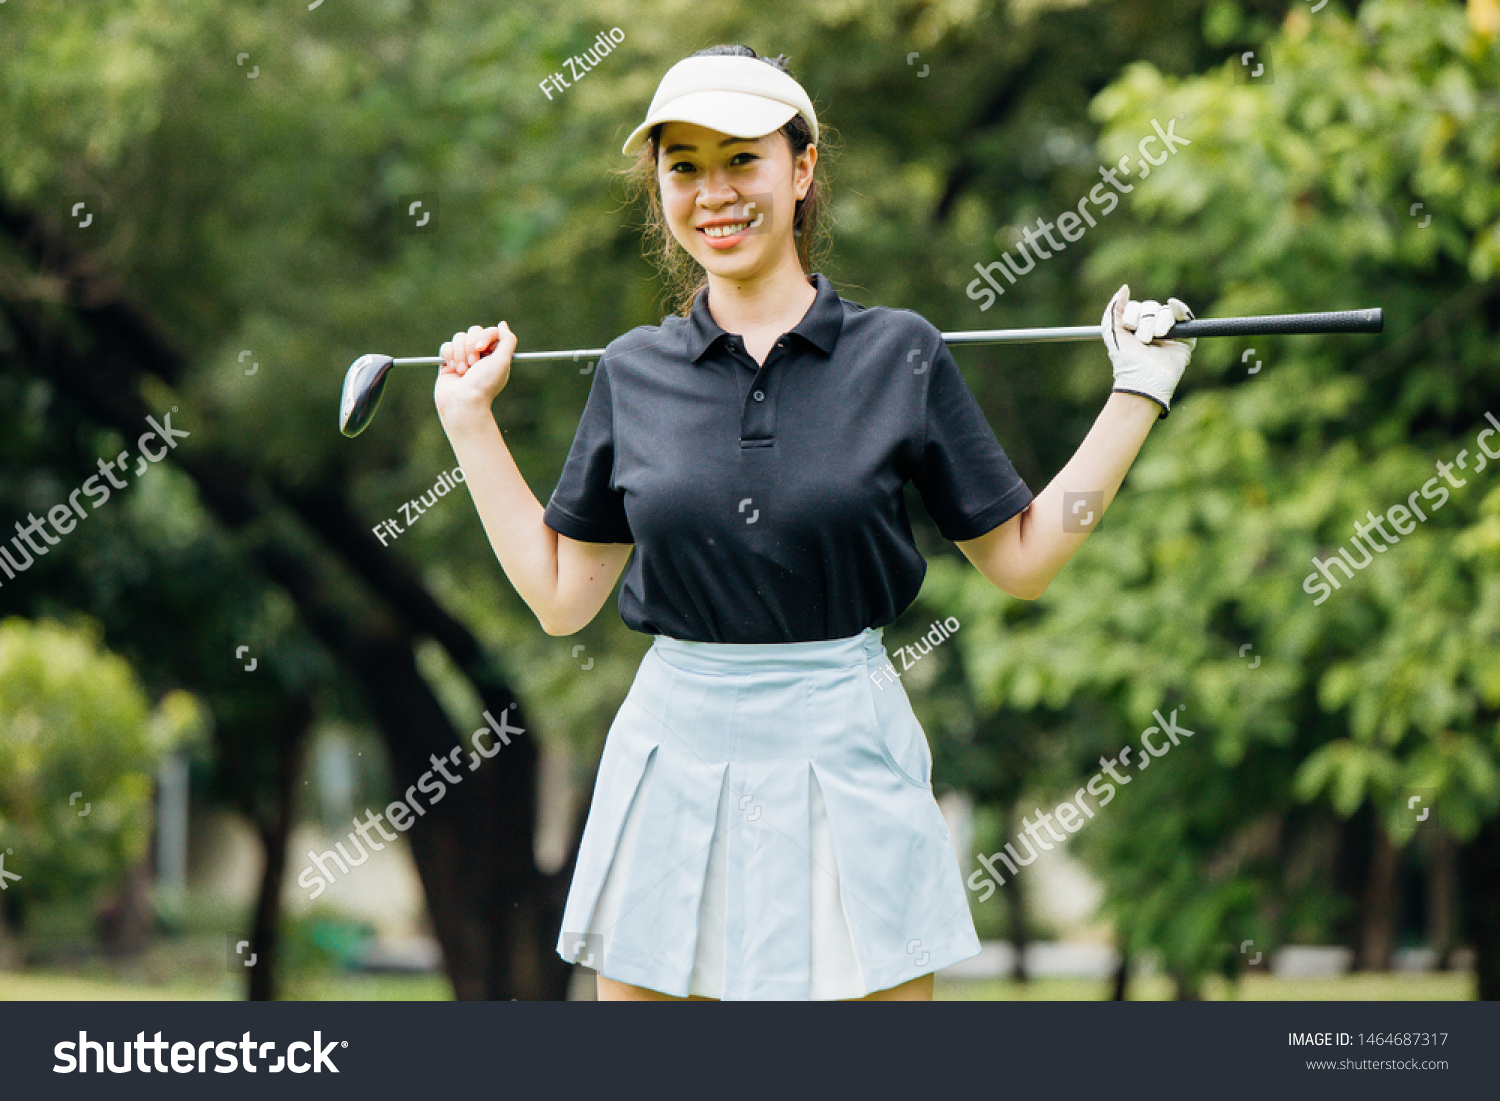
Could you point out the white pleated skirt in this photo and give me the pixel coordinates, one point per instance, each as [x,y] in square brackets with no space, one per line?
[763,827]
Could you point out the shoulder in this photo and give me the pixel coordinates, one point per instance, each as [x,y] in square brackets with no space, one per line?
[897,345]
[645,344]
[639,339]
[889,323]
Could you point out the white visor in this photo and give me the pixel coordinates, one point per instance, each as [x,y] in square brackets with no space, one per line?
[743,97]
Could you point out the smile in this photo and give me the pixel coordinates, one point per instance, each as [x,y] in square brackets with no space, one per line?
[725,231]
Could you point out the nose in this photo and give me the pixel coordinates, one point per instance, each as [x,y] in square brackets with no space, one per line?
[715,191]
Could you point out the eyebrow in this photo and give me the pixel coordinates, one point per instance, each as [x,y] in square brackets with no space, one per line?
[669,150]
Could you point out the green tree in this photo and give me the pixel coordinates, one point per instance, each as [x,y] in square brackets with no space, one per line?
[1297,195]
[79,748]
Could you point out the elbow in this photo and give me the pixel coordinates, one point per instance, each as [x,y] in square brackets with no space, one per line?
[556,626]
[556,629]
[1022,587]
[566,621]
[1031,588]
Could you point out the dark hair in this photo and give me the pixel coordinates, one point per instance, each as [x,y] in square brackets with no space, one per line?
[682,274]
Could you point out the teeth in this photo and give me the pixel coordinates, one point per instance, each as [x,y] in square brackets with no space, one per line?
[726,231]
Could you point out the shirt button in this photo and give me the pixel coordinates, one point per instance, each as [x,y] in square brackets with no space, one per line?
[759,396]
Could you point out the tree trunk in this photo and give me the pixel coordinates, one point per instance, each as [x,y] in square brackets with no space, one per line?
[1442,890]
[10,948]
[1481,883]
[1015,908]
[518,908]
[1122,978]
[473,847]
[274,832]
[1377,934]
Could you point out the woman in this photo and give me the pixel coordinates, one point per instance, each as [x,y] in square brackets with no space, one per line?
[763,823]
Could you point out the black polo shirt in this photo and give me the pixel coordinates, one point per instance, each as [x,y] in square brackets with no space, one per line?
[765,502]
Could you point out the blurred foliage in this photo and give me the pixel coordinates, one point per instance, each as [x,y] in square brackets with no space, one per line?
[1294,195]
[249,164]
[79,747]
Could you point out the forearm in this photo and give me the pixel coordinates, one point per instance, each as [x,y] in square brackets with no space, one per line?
[1056,523]
[510,512]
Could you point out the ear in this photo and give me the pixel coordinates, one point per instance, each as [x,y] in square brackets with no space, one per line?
[802,173]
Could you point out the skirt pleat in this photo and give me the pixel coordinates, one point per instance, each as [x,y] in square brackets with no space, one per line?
[763,827]
[768,900]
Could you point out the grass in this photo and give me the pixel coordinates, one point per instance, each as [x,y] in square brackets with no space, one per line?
[34,986]
[192,964]
[97,984]
[1393,987]
[47,986]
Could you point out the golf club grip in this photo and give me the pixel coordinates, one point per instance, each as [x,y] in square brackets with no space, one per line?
[1285,324]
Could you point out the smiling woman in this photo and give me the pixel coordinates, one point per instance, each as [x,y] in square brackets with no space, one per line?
[763,824]
[803,135]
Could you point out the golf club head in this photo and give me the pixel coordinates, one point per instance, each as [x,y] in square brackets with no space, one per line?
[363,383]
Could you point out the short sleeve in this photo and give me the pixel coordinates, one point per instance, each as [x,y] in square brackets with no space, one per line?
[963,475]
[586,505]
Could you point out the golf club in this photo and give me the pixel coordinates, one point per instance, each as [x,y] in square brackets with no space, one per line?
[365,379]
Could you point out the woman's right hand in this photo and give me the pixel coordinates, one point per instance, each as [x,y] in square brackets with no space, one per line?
[475,368]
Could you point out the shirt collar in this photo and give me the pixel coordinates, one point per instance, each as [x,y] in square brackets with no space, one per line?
[820,326]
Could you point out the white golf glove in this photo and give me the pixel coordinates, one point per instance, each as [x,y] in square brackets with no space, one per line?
[1144,363]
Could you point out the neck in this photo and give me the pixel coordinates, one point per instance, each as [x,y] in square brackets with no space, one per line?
[778,299]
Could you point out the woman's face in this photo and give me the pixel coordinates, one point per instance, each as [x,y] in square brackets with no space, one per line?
[729,201]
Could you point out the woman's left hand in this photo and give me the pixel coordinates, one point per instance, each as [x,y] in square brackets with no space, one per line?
[1144,363]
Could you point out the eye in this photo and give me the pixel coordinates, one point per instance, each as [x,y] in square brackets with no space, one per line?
[748,158]
[681,164]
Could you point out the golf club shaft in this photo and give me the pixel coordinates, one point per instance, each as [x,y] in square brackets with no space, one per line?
[1287,324]
[577,353]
